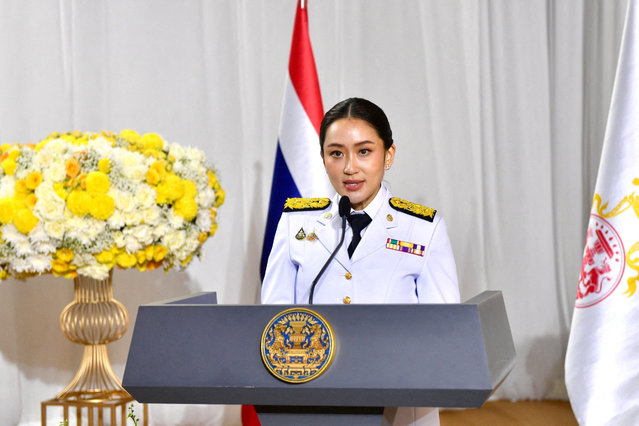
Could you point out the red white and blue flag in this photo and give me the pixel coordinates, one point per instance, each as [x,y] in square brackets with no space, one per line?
[602,361]
[298,171]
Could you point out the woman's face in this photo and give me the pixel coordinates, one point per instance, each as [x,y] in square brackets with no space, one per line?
[355,158]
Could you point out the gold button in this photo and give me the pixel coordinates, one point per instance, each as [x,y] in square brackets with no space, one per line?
[327,215]
[347,300]
[389,217]
[348,275]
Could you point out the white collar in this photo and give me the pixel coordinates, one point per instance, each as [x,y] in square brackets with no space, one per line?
[373,207]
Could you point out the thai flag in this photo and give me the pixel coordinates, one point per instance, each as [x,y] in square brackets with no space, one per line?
[299,171]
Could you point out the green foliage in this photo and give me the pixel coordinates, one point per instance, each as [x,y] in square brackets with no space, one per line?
[131,415]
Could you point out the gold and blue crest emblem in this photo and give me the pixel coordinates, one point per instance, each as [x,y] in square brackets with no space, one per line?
[297,345]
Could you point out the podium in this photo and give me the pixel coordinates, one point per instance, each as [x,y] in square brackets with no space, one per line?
[192,351]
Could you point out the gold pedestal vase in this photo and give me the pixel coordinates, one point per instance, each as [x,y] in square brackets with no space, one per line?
[94,319]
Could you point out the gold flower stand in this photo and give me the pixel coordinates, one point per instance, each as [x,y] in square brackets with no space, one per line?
[94,319]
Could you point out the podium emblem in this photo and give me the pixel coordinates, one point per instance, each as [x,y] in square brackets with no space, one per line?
[297,345]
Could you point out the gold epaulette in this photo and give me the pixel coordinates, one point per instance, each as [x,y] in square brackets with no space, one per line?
[413,209]
[304,204]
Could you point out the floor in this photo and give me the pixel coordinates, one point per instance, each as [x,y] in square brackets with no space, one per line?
[497,413]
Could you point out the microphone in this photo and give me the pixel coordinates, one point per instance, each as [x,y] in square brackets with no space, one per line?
[344,210]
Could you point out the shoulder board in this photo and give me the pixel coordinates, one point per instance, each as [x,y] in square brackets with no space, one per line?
[305,204]
[413,209]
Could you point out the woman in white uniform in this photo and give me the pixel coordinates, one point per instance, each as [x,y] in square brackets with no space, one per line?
[402,254]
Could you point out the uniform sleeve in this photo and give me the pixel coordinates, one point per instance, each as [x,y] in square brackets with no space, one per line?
[437,282]
[278,286]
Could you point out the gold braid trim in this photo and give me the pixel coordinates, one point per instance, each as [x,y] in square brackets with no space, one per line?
[413,209]
[303,204]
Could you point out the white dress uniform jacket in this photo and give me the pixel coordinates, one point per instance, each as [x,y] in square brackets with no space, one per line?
[378,272]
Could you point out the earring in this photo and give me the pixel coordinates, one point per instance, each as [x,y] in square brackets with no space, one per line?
[388,167]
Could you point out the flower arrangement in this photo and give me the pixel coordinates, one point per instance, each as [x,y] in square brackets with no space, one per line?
[83,203]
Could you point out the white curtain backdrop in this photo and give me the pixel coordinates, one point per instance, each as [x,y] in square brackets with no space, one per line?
[498,110]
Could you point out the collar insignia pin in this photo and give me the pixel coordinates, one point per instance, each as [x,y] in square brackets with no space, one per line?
[300,234]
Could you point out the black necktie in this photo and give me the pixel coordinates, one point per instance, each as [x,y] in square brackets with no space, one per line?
[357,222]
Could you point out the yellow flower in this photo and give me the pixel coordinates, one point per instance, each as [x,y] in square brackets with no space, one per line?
[213,229]
[190,190]
[98,182]
[25,220]
[213,214]
[79,202]
[186,207]
[171,189]
[202,237]
[9,166]
[126,260]
[148,252]
[102,206]
[7,210]
[65,255]
[59,267]
[159,253]
[152,141]
[141,256]
[14,154]
[33,180]
[20,187]
[212,178]
[104,165]
[130,136]
[3,274]
[31,200]
[220,195]
[153,177]
[105,257]
[72,167]
[5,147]
[58,188]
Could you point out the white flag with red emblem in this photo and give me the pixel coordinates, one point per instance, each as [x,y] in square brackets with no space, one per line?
[602,362]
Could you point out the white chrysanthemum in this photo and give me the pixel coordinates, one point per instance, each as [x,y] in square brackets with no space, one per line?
[177,151]
[11,234]
[38,234]
[84,259]
[101,145]
[195,155]
[123,201]
[55,229]
[132,244]
[39,263]
[96,271]
[174,240]
[118,239]
[116,221]
[94,228]
[175,220]
[160,230]
[23,248]
[205,197]
[142,233]
[77,228]
[133,165]
[20,265]
[133,218]
[151,216]
[146,196]
[7,186]
[203,220]
[42,159]
[57,146]
[45,247]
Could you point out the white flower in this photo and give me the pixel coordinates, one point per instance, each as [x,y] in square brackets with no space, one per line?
[118,239]
[133,218]
[54,229]
[151,216]
[7,186]
[205,197]
[116,221]
[174,241]
[11,234]
[39,263]
[145,196]
[203,220]
[132,244]
[96,270]
[38,234]
[123,201]
[55,172]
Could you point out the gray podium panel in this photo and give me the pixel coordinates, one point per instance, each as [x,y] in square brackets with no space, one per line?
[192,351]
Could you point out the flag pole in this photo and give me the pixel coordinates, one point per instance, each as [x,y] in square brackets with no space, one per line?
[303,4]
